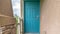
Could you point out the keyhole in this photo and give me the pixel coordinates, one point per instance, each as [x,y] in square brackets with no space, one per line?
[37,17]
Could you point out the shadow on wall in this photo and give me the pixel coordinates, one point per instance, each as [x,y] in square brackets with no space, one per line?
[41,3]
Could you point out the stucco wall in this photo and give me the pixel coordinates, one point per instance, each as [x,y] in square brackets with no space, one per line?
[50,17]
[6,8]
[7,21]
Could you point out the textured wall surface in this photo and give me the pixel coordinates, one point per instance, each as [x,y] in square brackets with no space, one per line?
[6,7]
[7,21]
[50,17]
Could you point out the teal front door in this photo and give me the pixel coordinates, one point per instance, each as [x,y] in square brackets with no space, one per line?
[32,17]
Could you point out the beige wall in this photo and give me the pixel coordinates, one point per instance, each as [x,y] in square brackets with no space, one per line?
[50,17]
[6,8]
[7,21]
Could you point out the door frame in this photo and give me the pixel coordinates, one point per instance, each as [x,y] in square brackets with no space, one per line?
[22,11]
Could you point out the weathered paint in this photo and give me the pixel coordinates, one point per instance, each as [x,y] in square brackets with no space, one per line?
[50,17]
[31,17]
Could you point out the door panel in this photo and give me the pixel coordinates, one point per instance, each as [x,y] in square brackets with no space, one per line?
[31,17]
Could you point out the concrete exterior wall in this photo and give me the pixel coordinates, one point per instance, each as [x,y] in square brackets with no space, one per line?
[50,17]
[6,8]
[7,21]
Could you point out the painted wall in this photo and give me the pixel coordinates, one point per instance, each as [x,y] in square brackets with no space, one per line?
[50,17]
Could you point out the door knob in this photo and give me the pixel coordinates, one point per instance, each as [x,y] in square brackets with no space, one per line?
[37,17]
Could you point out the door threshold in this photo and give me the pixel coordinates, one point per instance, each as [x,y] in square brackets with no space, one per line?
[32,33]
